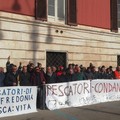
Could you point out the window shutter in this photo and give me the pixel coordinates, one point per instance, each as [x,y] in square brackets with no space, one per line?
[114,24]
[41,10]
[71,12]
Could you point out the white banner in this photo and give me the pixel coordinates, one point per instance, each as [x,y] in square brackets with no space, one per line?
[17,100]
[68,94]
[105,90]
[80,93]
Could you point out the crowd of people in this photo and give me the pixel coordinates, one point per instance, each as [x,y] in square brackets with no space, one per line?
[31,75]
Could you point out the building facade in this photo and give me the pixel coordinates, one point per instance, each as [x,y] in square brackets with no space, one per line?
[59,32]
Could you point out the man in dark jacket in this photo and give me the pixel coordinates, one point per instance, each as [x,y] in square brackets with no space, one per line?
[79,75]
[89,74]
[62,77]
[95,73]
[12,77]
[2,76]
[38,79]
[109,73]
[71,75]
[51,77]
[24,77]
[103,74]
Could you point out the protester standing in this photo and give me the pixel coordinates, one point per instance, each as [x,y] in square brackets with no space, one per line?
[12,78]
[2,76]
[71,75]
[38,79]
[51,76]
[79,75]
[117,73]
[63,77]
[24,77]
[103,74]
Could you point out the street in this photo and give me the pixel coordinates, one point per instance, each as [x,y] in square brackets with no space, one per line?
[103,111]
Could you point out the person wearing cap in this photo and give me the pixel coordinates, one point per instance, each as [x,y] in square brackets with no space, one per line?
[60,70]
[117,73]
[63,77]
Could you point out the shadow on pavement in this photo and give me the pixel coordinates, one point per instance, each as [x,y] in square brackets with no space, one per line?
[101,111]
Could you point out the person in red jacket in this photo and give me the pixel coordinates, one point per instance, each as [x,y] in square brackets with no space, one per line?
[117,73]
[60,70]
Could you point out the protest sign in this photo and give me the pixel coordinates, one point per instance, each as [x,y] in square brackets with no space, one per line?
[17,100]
[105,90]
[80,93]
[68,94]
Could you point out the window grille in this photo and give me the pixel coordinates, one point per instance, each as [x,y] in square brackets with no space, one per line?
[56,59]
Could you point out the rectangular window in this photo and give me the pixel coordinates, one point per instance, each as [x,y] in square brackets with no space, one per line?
[118,6]
[51,7]
[63,11]
[56,10]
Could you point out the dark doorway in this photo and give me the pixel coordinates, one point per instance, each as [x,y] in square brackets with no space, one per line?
[118,60]
[56,59]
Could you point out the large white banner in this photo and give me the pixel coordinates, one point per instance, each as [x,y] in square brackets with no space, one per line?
[105,90]
[17,100]
[68,94]
[80,93]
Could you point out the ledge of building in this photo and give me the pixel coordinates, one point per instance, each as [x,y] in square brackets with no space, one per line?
[31,20]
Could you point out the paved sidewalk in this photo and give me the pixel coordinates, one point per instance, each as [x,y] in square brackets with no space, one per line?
[104,111]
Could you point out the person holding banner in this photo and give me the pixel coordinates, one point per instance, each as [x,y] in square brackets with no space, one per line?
[79,75]
[89,74]
[110,74]
[103,74]
[51,77]
[62,77]
[71,75]
[95,73]
[60,70]
[24,77]
[38,79]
